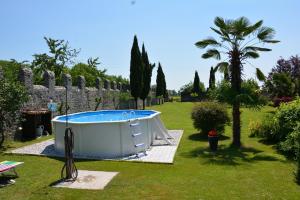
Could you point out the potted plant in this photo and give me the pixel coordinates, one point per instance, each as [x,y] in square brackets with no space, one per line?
[213,139]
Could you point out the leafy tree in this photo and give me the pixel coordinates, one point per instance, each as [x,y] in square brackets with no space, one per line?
[186,89]
[147,74]
[291,68]
[196,84]
[238,42]
[117,78]
[250,93]
[12,97]
[280,85]
[59,57]
[89,71]
[11,68]
[136,72]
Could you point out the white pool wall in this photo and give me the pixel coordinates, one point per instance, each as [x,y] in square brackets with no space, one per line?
[108,139]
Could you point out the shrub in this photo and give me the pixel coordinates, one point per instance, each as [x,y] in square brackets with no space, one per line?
[12,97]
[287,116]
[210,115]
[291,145]
[283,128]
[250,94]
[268,129]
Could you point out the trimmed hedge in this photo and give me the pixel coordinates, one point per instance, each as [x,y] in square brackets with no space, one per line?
[210,115]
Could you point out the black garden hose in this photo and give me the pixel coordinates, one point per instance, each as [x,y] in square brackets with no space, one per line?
[69,171]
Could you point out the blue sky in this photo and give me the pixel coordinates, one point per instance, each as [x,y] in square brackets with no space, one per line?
[169,29]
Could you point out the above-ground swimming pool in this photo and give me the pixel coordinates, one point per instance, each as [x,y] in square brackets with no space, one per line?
[111,133]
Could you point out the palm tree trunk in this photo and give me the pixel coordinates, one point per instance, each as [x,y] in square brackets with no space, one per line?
[236,81]
[236,126]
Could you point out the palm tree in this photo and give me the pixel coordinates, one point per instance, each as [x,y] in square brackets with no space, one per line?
[239,40]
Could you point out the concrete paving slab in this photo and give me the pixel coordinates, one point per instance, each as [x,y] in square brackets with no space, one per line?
[89,180]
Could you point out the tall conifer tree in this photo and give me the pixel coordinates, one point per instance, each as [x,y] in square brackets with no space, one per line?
[165,92]
[212,79]
[159,81]
[196,85]
[147,74]
[136,72]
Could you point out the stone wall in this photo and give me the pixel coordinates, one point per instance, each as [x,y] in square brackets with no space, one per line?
[80,97]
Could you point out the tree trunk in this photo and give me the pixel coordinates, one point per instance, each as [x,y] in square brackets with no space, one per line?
[236,126]
[144,104]
[236,81]
[1,132]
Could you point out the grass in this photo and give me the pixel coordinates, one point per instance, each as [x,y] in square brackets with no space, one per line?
[255,171]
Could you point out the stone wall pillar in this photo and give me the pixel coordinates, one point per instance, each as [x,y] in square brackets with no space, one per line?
[113,85]
[99,83]
[81,83]
[26,78]
[106,84]
[119,86]
[67,80]
[49,80]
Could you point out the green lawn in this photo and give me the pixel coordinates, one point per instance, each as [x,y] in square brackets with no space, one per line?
[256,171]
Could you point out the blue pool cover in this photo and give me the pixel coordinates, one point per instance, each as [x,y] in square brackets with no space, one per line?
[107,116]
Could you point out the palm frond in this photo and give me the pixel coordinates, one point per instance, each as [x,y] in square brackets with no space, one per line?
[251,54]
[207,42]
[260,76]
[239,26]
[271,41]
[253,48]
[220,22]
[222,67]
[265,33]
[253,28]
[216,31]
[212,53]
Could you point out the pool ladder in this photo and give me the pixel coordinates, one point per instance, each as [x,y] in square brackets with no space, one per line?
[137,134]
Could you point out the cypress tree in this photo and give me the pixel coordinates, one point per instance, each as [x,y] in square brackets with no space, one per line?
[147,74]
[136,71]
[196,85]
[159,81]
[165,92]
[212,79]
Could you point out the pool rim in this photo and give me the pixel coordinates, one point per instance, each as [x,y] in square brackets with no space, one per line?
[55,119]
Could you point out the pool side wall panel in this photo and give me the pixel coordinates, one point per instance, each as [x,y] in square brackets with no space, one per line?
[107,140]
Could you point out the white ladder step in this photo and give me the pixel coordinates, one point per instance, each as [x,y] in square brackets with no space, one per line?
[135,124]
[139,145]
[136,134]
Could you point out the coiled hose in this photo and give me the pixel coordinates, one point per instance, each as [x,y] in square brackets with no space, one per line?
[69,171]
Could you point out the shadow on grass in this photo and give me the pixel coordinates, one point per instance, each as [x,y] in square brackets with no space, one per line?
[203,137]
[228,155]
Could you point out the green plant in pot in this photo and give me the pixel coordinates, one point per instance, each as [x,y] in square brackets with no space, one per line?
[210,118]
[213,139]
